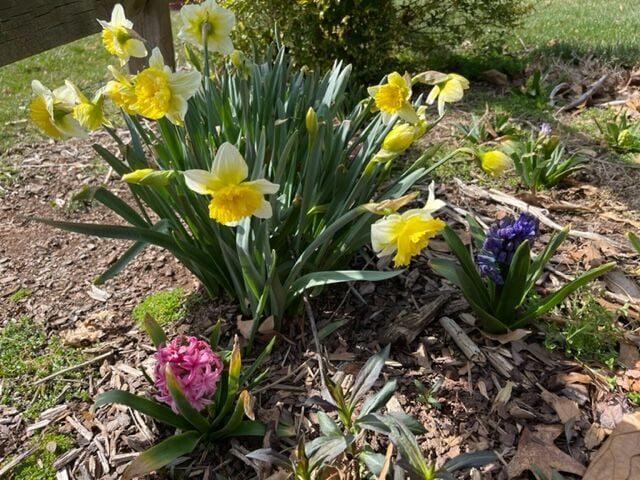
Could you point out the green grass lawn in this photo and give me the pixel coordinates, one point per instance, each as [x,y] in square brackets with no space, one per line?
[84,62]
[576,27]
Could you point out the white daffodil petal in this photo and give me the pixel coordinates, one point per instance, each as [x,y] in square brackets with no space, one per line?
[229,165]
[200,181]
[383,233]
[136,48]
[185,83]
[433,203]
[156,59]
[264,210]
[263,186]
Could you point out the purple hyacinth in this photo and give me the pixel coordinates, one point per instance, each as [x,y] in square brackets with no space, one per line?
[545,129]
[501,242]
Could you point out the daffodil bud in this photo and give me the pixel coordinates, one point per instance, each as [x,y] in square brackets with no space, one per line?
[399,138]
[494,162]
[149,177]
[311,121]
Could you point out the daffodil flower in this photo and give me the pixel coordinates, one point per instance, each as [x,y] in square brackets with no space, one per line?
[494,162]
[392,98]
[161,93]
[448,89]
[209,21]
[232,199]
[118,37]
[406,234]
[121,90]
[89,113]
[52,111]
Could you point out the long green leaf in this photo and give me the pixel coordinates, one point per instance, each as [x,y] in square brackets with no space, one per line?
[367,376]
[154,330]
[162,454]
[538,263]
[119,206]
[514,289]
[554,299]
[233,383]
[184,407]
[156,410]
[233,422]
[635,241]
[317,279]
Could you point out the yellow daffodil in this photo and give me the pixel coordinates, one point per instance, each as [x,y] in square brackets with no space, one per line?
[494,162]
[148,176]
[89,113]
[448,89]
[232,199]
[121,90]
[406,234]
[399,139]
[207,20]
[392,98]
[159,92]
[52,111]
[118,37]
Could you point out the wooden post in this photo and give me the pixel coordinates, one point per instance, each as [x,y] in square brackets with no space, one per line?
[153,23]
[28,27]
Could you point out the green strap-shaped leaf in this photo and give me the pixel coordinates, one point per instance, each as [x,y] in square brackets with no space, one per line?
[114,162]
[235,419]
[367,376]
[246,376]
[317,279]
[378,399]
[184,407]
[233,383]
[554,299]
[154,330]
[156,410]
[162,454]
[514,289]
[635,241]
[538,264]
[119,206]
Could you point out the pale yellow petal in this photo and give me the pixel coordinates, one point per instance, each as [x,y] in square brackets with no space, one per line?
[229,167]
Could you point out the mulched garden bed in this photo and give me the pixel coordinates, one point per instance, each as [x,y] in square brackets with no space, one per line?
[513,396]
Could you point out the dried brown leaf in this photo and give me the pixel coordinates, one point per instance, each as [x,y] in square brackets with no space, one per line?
[533,451]
[619,457]
[566,409]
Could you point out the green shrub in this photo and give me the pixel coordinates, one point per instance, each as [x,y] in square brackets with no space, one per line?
[373,35]
[165,306]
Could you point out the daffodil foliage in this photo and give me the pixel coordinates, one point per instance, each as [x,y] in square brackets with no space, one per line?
[263,180]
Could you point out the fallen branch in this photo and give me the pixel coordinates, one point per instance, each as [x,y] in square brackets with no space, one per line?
[462,340]
[585,96]
[506,199]
[74,367]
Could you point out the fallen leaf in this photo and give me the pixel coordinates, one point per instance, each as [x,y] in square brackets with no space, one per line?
[503,396]
[629,354]
[619,457]
[595,435]
[266,328]
[84,333]
[566,409]
[533,451]
[619,283]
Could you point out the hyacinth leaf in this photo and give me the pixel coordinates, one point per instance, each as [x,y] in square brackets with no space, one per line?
[156,410]
[319,279]
[477,232]
[402,438]
[470,460]
[242,405]
[214,336]
[468,265]
[514,289]
[162,454]
[635,241]
[538,264]
[232,384]
[554,299]
[378,399]
[367,376]
[184,407]
[154,330]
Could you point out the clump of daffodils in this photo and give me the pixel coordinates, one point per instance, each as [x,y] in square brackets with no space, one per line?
[119,38]
[195,366]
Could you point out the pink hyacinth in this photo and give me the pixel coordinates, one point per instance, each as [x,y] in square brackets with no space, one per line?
[196,367]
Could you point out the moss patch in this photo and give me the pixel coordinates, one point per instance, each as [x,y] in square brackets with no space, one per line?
[39,465]
[165,306]
[20,294]
[26,354]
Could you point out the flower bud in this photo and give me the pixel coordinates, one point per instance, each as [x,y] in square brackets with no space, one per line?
[311,121]
[149,177]
[399,138]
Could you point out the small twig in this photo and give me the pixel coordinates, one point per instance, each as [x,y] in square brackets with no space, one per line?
[462,340]
[16,460]
[316,339]
[74,367]
[506,199]
[585,96]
